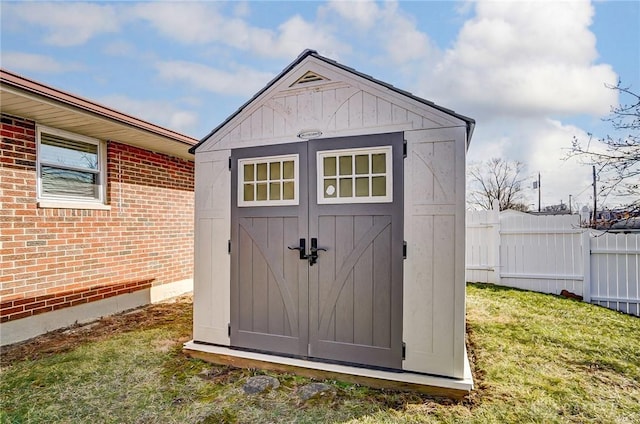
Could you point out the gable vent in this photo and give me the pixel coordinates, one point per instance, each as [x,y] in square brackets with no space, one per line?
[309,76]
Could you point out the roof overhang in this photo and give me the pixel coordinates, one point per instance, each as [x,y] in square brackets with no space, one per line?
[48,106]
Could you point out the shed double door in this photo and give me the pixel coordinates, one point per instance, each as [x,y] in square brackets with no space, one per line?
[317,249]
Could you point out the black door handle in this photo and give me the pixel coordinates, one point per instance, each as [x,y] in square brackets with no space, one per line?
[313,256]
[302,248]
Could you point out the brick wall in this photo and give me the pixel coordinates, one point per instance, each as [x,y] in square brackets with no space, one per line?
[56,258]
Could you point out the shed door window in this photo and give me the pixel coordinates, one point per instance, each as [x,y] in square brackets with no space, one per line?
[268,181]
[70,166]
[355,176]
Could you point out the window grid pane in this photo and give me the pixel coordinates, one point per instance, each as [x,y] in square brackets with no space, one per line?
[330,187]
[346,163]
[261,190]
[262,172]
[378,163]
[265,180]
[362,164]
[288,190]
[364,175]
[288,170]
[274,191]
[249,192]
[329,166]
[378,186]
[249,173]
[346,187]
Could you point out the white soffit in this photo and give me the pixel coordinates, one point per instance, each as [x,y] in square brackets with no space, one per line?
[62,113]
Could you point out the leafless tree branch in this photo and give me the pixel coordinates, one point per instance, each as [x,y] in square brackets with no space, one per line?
[496,179]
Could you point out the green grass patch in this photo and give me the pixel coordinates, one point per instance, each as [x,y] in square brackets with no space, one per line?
[536,358]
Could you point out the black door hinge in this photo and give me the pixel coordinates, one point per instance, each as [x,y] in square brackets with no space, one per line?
[229,163]
[229,329]
[404,350]
[404,149]
[404,250]
[229,246]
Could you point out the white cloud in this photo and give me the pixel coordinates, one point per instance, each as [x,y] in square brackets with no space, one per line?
[164,112]
[515,66]
[190,23]
[183,120]
[401,38]
[29,62]
[391,28]
[203,23]
[297,34]
[240,81]
[363,13]
[525,58]
[66,24]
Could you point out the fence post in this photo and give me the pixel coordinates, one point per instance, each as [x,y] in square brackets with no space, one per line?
[495,221]
[586,265]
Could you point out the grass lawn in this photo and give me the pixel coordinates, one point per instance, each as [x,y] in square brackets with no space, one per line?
[536,358]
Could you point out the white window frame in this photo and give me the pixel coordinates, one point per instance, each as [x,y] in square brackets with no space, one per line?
[71,202]
[269,159]
[388,198]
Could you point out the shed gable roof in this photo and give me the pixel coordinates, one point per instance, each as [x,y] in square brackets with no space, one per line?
[311,70]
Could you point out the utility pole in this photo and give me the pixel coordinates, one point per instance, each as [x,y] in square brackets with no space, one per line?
[595,203]
[569,204]
[539,192]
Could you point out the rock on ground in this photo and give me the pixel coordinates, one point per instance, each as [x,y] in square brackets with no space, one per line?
[312,390]
[259,384]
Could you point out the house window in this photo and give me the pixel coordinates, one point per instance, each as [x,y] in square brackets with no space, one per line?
[355,176]
[268,181]
[70,167]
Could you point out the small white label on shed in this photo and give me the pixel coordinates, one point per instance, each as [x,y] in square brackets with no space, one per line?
[308,134]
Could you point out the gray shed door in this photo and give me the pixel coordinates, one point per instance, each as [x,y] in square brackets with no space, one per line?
[339,299]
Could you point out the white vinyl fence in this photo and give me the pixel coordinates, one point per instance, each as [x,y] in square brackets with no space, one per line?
[549,254]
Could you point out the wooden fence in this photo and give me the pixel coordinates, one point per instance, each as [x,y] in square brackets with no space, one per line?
[549,254]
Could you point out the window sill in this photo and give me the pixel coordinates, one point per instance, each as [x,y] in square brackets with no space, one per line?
[57,204]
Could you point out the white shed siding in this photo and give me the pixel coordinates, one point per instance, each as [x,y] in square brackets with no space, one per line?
[212,267]
[433,323]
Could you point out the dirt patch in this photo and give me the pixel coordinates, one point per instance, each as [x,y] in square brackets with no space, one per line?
[65,339]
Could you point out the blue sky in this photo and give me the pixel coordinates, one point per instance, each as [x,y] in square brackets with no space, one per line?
[531,73]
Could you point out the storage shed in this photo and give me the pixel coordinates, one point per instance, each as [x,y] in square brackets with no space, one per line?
[329,232]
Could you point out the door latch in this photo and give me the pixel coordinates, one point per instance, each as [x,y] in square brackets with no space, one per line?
[313,256]
[302,248]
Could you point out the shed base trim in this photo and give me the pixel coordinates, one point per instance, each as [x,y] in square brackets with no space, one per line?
[428,384]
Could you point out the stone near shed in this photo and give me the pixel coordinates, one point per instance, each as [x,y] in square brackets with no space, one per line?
[259,384]
[312,390]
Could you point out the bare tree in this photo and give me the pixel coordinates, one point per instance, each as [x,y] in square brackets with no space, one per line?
[616,156]
[496,179]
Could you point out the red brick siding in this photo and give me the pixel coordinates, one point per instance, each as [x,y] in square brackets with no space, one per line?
[55,258]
